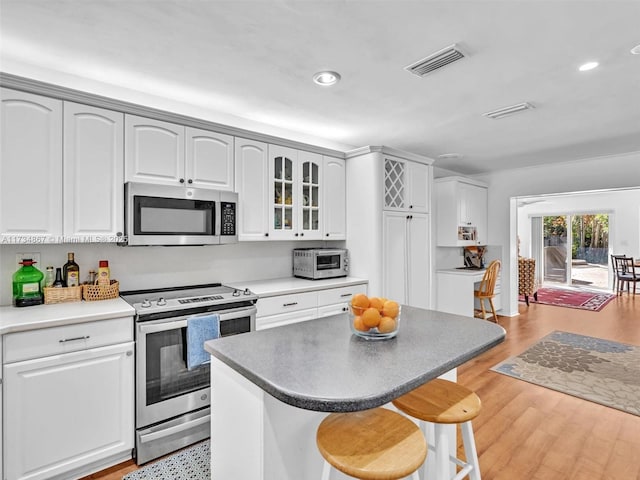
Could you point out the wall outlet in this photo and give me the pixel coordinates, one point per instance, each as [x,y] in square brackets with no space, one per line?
[33,256]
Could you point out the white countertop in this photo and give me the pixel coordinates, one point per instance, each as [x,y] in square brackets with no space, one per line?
[17,319]
[460,271]
[287,285]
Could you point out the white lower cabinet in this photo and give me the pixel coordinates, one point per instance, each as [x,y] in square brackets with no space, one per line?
[68,415]
[285,309]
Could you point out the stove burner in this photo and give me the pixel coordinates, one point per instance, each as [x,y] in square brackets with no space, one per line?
[200,299]
[205,297]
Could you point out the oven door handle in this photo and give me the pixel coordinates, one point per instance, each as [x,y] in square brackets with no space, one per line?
[161,326]
[149,437]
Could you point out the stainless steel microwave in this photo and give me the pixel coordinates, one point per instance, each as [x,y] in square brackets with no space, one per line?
[318,263]
[174,215]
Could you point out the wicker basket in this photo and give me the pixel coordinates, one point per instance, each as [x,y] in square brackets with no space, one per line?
[62,294]
[101,292]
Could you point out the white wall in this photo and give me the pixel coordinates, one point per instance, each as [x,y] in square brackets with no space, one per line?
[590,174]
[156,267]
[623,207]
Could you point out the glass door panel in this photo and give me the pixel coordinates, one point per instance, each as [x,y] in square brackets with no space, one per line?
[590,250]
[555,249]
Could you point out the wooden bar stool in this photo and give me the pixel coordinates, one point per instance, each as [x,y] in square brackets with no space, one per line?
[442,402]
[376,444]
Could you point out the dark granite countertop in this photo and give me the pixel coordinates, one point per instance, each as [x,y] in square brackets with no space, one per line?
[320,365]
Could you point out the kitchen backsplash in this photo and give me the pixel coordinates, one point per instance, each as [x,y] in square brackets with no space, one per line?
[157,267]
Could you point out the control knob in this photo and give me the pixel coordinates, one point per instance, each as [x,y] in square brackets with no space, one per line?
[145,303]
[236,293]
[247,291]
[161,302]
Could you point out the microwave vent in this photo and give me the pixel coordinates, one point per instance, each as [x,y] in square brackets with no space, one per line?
[436,60]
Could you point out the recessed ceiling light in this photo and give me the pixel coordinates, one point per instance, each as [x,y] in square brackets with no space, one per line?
[326,78]
[636,50]
[588,66]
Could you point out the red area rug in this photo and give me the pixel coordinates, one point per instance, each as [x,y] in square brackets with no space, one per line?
[582,299]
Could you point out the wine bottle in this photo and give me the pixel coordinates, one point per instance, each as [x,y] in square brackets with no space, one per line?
[58,282]
[71,272]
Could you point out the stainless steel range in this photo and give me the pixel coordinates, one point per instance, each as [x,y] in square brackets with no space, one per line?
[172,402]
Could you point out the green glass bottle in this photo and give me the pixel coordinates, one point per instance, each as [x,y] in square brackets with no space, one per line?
[27,285]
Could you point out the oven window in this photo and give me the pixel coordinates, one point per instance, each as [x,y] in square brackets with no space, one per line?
[171,216]
[327,262]
[167,375]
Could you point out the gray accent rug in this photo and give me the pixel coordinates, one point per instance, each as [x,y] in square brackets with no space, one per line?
[193,463]
[594,369]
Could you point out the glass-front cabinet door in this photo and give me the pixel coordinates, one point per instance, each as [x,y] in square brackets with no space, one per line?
[310,176]
[283,195]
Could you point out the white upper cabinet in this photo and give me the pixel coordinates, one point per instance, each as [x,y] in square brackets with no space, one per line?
[93,172]
[311,205]
[30,166]
[166,153]
[154,151]
[335,199]
[295,190]
[251,183]
[461,212]
[406,185]
[209,159]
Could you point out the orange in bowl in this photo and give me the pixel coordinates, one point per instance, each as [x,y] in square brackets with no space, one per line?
[374,318]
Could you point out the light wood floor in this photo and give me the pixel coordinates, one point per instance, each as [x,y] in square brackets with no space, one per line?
[526,432]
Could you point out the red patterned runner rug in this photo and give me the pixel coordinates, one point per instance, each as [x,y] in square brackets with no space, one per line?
[582,299]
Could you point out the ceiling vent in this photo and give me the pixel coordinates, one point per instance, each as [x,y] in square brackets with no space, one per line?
[435,61]
[503,112]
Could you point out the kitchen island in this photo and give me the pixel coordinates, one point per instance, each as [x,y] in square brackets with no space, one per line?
[270,389]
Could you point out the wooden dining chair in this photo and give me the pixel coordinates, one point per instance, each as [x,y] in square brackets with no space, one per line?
[614,265]
[626,273]
[485,291]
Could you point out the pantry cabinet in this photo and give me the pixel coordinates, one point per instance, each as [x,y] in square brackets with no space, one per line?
[68,399]
[93,188]
[334,196]
[165,153]
[30,167]
[405,258]
[406,185]
[461,212]
[389,238]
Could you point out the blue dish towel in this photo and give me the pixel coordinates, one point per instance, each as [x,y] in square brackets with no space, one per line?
[200,329]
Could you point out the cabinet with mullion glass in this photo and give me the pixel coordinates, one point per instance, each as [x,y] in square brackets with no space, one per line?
[295,194]
[283,195]
[311,191]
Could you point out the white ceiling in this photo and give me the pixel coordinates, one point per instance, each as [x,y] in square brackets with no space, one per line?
[253,61]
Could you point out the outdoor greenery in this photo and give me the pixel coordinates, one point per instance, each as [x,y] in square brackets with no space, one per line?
[590,235]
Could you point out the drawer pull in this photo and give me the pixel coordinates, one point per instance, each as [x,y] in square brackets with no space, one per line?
[346,295]
[289,304]
[74,339]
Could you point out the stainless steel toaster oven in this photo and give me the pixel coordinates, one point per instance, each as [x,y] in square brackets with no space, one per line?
[319,263]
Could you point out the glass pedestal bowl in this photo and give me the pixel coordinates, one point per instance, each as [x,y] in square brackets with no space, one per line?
[385,327]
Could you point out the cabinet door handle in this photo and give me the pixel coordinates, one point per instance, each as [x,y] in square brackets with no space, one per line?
[289,304]
[296,234]
[190,181]
[410,206]
[74,339]
[327,234]
[266,234]
[302,234]
[181,180]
